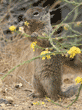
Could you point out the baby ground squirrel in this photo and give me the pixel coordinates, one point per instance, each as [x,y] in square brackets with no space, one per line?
[47,78]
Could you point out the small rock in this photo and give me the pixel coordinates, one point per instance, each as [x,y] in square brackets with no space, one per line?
[8,104]
[29,107]
[31,103]
[3,101]
[4,90]
[16,105]
[10,100]
[18,85]
[3,105]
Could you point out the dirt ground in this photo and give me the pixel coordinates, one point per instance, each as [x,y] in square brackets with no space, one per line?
[17,86]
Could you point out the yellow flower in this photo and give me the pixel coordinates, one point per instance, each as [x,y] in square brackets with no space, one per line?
[53,53]
[45,52]
[42,102]
[60,100]
[56,38]
[12,28]
[46,97]
[48,56]
[33,44]
[78,23]
[73,51]
[78,80]
[66,27]
[26,23]
[51,49]
[49,100]
[44,34]
[43,58]
[66,55]
[35,103]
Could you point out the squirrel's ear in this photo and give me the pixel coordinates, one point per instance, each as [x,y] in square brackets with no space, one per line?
[47,8]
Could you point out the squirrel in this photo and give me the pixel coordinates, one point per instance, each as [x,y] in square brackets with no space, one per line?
[47,78]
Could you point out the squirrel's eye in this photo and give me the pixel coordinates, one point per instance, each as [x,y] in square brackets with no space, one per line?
[36,14]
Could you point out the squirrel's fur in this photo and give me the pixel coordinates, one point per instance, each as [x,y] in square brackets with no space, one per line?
[47,78]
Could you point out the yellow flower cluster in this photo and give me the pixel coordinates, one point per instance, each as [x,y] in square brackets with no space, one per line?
[78,80]
[45,52]
[73,51]
[38,103]
[33,44]
[48,99]
[26,23]
[12,28]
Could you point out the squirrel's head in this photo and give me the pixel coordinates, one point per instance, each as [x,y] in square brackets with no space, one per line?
[37,13]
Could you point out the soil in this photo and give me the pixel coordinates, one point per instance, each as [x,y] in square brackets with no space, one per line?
[17,87]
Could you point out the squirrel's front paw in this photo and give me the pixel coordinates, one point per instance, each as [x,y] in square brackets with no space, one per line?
[34,35]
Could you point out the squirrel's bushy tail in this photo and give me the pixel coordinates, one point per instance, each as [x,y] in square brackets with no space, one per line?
[70,91]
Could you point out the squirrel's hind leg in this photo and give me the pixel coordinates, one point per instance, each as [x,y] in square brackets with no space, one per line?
[51,88]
